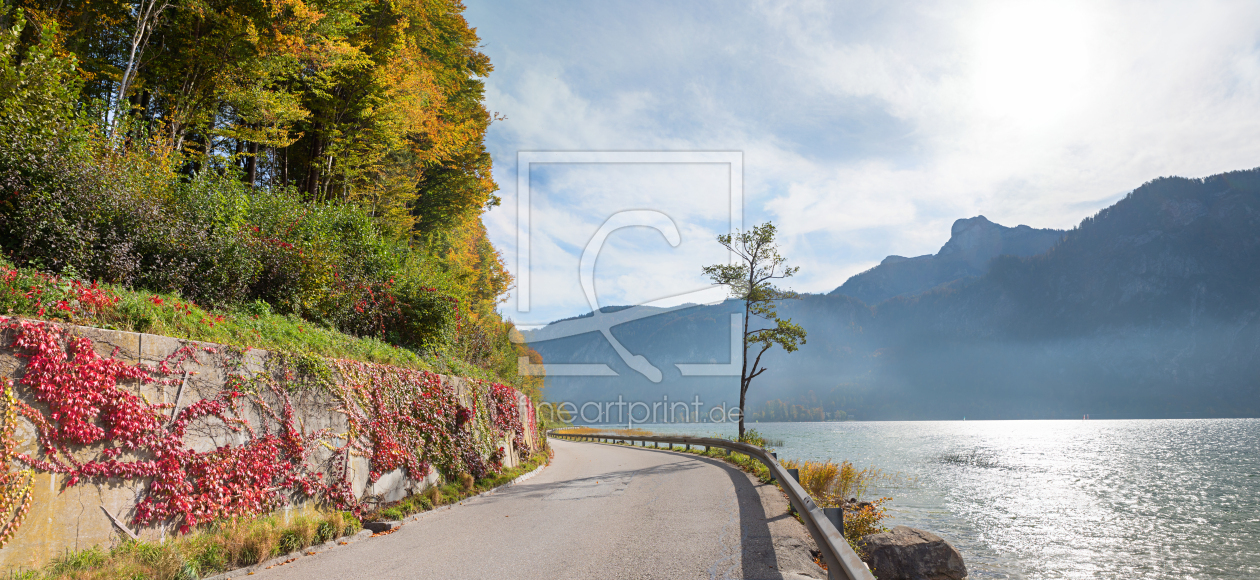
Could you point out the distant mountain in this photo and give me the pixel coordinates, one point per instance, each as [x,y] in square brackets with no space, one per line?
[1150,308]
[972,244]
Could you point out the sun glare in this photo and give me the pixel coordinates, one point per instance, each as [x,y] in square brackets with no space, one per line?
[1031,61]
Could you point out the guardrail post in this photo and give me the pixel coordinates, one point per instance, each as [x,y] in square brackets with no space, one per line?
[796,474]
[836,515]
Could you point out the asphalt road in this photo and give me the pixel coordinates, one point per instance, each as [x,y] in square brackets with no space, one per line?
[598,511]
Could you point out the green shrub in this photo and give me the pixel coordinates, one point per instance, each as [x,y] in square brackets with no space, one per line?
[82,205]
[74,561]
[214,242]
[752,437]
[390,514]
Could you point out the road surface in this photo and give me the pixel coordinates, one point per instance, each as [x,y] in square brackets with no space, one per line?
[598,511]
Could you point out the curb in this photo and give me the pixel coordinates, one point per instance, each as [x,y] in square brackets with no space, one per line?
[390,527]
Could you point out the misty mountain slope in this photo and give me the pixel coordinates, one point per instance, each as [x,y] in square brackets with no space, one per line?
[701,334]
[972,244]
[1175,252]
[1151,308]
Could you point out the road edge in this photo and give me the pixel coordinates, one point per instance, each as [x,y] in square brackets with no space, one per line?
[365,534]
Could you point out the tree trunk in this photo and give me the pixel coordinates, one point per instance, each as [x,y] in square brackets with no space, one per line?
[743,392]
[313,165]
[744,379]
[251,164]
[147,14]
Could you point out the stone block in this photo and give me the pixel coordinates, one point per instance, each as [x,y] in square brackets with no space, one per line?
[105,341]
[905,553]
[378,527]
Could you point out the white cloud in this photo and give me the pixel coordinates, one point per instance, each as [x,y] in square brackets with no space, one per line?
[867,129]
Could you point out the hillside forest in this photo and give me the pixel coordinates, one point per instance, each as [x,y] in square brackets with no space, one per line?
[319,161]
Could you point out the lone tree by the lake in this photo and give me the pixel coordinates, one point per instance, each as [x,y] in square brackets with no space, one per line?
[752,280]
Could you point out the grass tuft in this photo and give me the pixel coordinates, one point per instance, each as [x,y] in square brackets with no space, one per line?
[224,546]
[435,496]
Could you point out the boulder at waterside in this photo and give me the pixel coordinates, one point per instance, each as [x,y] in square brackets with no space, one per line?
[909,554]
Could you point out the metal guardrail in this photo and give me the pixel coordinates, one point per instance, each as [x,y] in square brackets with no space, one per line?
[842,562]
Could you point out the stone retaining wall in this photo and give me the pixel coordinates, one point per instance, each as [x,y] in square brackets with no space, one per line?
[65,518]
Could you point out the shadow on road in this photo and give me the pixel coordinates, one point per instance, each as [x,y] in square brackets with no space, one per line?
[756,541]
[619,480]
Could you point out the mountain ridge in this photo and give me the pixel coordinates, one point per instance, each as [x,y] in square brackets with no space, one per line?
[972,244]
[1148,309]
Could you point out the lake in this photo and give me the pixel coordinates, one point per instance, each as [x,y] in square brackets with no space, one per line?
[1059,499]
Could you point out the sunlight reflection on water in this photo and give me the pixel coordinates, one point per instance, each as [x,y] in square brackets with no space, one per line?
[1060,499]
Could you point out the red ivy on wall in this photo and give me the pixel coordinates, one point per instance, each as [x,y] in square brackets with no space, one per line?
[397,418]
[87,405]
[410,419]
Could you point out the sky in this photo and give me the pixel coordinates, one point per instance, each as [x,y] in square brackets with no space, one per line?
[860,129]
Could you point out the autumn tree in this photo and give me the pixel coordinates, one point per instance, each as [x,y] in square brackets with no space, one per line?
[751,280]
[373,102]
[262,131]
